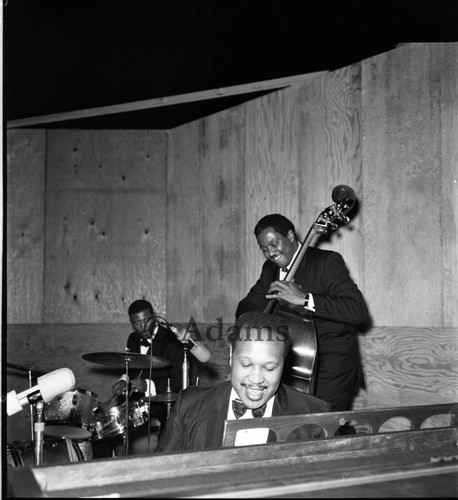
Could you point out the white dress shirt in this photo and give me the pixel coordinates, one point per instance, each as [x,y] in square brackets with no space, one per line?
[246,437]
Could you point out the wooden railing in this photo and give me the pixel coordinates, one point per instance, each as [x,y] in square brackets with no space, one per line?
[297,427]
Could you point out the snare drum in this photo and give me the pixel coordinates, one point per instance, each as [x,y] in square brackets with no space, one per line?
[138,413]
[71,415]
[111,422]
[55,451]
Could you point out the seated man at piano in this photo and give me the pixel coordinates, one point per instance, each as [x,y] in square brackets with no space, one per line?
[259,344]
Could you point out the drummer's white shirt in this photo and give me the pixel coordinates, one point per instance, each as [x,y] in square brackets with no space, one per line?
[246,437]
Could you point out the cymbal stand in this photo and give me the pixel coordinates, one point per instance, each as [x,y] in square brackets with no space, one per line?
[31,408]
[169,403]
[125,435]
[39,431]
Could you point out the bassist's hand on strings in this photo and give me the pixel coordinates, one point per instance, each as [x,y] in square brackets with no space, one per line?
[287,291]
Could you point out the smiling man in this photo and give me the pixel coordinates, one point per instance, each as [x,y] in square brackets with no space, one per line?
[324,288]
[259,345]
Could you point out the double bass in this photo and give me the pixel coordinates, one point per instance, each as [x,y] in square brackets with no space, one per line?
[299,370]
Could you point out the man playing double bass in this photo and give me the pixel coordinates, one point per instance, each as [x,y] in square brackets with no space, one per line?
[323,286]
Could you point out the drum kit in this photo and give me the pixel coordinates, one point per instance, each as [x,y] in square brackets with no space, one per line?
[79,419]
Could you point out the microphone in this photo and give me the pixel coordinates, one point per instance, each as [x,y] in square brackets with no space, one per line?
[342,193]
[200,352]
[48,387]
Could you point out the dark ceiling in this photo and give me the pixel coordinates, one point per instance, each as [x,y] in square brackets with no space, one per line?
[63,56]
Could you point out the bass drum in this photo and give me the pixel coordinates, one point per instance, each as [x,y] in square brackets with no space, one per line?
[55,451]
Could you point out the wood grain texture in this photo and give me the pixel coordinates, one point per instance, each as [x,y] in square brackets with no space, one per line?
[223,212]
[205,208]
[105,224]
[271,168]
[329,148]
[445,59]
[411,365]
[402,173]
[25,242]
[184,224]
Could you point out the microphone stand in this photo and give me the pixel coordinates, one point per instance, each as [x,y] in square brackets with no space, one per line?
[185,373]
[148,388]
[39,430]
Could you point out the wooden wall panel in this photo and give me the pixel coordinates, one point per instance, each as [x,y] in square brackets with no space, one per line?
[409,365]
[184,224]
[445,59]
[329,147]
[402,187]
[223,196]
[205,210]
[105,224]
[271,168]
[25,203]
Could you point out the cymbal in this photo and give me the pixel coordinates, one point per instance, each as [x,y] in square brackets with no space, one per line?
[118,359]
[166,397]
[26,368]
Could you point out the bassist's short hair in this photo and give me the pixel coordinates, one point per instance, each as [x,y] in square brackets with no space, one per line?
[276,221]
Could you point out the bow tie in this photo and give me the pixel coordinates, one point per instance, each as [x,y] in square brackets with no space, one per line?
[285,270]
[144,342]
[239,409]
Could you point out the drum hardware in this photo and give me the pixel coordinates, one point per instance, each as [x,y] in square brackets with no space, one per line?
[39,428]
[168,397]
[129,360]
[111,422]
[55,451]
[185,372]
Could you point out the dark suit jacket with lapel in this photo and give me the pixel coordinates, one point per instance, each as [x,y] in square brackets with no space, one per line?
[197,418]
[339,310]
[165,345]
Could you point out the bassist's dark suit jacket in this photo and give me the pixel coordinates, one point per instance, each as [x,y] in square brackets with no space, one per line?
[339,310]
[196,421]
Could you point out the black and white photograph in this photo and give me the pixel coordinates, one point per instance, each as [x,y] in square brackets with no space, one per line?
[230,249]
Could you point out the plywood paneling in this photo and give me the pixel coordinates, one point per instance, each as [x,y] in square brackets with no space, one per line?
[184,224]
[409,366]
[445,60]
[271,168]
[223,190]
[329,144]
[402,187]
[25,184]
[205,214]
[105,224]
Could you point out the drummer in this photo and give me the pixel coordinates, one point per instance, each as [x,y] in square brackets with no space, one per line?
[164,345]
[149,337]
